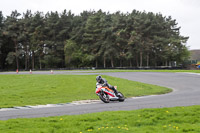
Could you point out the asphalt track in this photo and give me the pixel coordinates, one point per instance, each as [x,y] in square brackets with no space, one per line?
[186,92]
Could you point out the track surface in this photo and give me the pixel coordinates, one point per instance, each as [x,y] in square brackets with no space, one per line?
[186,92]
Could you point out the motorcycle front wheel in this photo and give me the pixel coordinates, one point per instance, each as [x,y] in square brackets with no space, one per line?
[121,97]
[104,97]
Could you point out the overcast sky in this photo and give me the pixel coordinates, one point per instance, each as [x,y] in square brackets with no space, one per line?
[186,12]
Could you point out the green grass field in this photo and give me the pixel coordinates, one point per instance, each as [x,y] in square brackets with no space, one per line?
[164,120]
[21,90]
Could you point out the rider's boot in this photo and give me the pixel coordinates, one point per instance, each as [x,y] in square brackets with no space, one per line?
[116,92]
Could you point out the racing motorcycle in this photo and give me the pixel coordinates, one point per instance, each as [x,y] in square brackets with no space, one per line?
[107,95]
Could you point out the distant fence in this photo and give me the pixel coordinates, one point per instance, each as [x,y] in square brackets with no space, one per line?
[102,68]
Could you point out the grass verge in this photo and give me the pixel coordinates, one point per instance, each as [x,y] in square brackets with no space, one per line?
[21,90]
[165,120]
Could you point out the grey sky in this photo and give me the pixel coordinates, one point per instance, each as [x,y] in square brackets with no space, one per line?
[186,12]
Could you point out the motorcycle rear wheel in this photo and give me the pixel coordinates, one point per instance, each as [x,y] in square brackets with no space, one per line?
[121,97]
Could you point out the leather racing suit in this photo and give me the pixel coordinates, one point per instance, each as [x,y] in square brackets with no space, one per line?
[103,82]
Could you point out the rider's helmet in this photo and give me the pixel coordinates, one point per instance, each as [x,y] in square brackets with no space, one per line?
[98,78]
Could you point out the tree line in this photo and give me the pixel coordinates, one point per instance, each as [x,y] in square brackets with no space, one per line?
[90,39]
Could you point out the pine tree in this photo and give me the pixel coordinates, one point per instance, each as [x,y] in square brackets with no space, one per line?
[12,31]
[24,37]
[93,35]
[1,40]
[37,37]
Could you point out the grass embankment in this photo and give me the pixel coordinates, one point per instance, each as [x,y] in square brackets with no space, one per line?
[21,90]
[165,120]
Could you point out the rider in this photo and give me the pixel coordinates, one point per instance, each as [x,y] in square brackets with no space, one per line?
[103,82]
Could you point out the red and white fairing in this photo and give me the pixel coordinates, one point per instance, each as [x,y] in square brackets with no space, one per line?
[110,92]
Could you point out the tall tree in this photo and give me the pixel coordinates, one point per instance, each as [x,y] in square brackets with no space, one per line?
[93,35]
[37,37]
[65,29]
[119,29]
[108,49]
[25,37]
[1,29]
[1,40]
[12,30]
